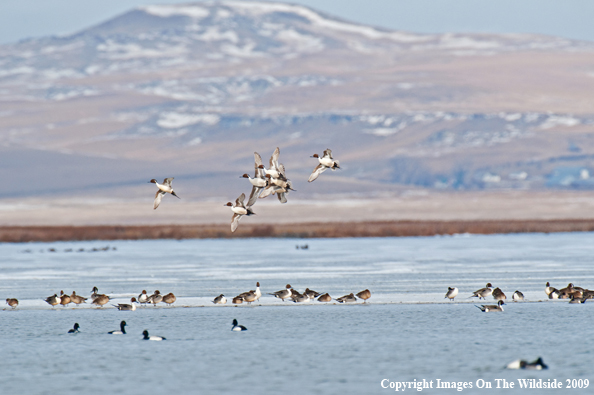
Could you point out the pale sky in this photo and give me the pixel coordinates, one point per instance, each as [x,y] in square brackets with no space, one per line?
[21,19]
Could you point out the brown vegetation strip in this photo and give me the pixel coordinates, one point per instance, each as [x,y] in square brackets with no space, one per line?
[302,230]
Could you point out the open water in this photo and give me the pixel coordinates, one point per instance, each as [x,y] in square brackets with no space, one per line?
[407,331]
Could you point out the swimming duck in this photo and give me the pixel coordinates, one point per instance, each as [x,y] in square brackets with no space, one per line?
[483,292]
[364,295]
[101,300]
[498,294]
[259,182]
[326,162]
[12,302]
[163,189]
[77,299]
[126,307]
[521,364]
[492,308]
[53,300]
[169,299]
[239,210]
[75,328]
[64,299]
[452,293]
[155,338]
[238,328]
[283,293]
[347,298]
[143,297]
[122,330]
[517,296]
[221,299]
[325,298]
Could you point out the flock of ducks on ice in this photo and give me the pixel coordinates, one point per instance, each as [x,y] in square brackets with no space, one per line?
[571,292]
[266,182]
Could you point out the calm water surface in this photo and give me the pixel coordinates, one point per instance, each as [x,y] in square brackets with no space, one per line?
[406,331]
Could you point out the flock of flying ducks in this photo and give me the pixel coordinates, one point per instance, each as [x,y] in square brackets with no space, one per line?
[266,182]
[575,294]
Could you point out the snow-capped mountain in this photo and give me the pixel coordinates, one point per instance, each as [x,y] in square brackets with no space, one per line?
[195,89]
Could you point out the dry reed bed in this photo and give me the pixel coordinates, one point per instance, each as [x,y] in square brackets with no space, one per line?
[301,230]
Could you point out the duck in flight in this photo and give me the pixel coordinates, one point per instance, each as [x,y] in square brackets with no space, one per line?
[163,189]
[259,182]
[239,210]
[326,162]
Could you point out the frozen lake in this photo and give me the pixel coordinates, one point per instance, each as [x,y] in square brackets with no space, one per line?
[406,332]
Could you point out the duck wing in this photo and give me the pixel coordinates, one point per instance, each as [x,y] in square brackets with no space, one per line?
[167,181]
[235,222]
[158,196]
[316,172]
[256,191]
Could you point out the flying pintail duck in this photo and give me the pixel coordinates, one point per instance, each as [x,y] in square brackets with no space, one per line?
[169,299]
[492,308]
[239,210]
[122,330]
[259,182]
[143,297]
[483,292]
[521,364]
[126,307]
[452,293]
[101,300]
[517,296]
[64,299]
[77,299]
[273,168]
[237,328]
[75,328]
[12,302]
[310,293]
[366,294]
[155,298]
[53,300]
[325,298]
[326,162]
[221,299]
[347,298]
[155,338]
[283,293]
[163,189]
[278,183]
[498,294]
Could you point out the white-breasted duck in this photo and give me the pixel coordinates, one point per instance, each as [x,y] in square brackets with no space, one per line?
[483,292]
[75,328]
[154,338]
[492,308]
[259,182]
[122,330]
[53,300]
[236,327]
[326,162]
[452,293]
[283,293]
[143,297]
[522,364]
[126,307]
[221,299]
[517,296]
[239,210]
[163,189]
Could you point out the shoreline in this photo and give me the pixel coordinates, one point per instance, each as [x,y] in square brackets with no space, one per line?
[404,228]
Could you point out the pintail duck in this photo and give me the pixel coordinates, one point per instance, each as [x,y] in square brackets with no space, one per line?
[452,293]
[283,293]
[237,300]
[577,299]
[12,302]
[517,296]
[483,292]
[347,298]
[259,182]
[169,299]
[587,294]
[248,297]
[326,162]
[94,293]
[364,295]
[53,300]
[300,298]
[143,297]
[239,210]
[77,299]
[554,294]
[548,288]
[521,364]
[325,298]
[221,299]
[163,189]
[126,307]
[498,294]
[155,298]
[278,183]
[75,328]
[258,292]
[310,293]
[155,338]
[122,330]
[64,299]
[101,300]
[492,308]
[237,328]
